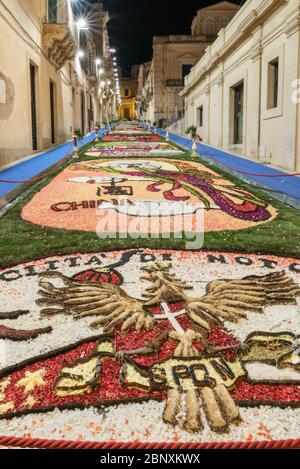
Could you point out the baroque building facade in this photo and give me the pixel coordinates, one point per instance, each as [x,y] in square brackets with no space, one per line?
[128,89]
[173,58]
[143,74]
[244,93]
[50,81]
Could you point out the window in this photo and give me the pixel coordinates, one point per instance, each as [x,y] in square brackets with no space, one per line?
[52,11]
[273,83]
[224,22]
[186,69]
[209,27]
[200,116]
[238,112]
[33,73]
[126,92]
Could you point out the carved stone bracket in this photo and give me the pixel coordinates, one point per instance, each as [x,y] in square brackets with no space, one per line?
[59,43]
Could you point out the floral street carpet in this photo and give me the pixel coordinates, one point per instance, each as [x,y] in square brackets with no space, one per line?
[142,344]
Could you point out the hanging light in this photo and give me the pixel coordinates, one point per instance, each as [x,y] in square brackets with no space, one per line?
[80,54]
[98,61]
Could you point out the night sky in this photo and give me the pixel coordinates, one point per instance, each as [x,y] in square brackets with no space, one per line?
[133,23]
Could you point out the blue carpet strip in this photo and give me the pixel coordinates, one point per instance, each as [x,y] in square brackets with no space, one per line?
[288,187]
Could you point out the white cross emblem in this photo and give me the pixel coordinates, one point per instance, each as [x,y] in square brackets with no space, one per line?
[171,317]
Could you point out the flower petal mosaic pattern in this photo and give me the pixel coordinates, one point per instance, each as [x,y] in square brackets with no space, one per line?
[133,149]
[168,346]
[77,198]
[131,138]
[147,345]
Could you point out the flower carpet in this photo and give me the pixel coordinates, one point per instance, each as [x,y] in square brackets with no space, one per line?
[133,149]
[142,344]
[70,200]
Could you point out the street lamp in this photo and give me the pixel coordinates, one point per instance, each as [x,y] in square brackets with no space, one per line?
[82,24]
[98,61]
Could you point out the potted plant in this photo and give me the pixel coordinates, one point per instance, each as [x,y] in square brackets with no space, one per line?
[79,134]
[192,132]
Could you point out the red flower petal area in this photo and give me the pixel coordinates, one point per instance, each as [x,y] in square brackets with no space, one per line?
[112,390]
[132,340]
[169,195]
[98,276]
[131,138]
[110,387]
[266,393]
[153,187]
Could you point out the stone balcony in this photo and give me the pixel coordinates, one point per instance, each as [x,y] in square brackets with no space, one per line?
[92,79]
[59,43]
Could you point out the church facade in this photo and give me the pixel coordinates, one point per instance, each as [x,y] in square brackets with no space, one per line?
[244,93]
[128,88]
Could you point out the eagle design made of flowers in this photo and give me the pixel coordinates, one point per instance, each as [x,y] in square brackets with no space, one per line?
[165,344]
[193,378]
[228,300]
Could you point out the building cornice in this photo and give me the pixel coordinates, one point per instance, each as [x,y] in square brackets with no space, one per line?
[250,23]
[293,23]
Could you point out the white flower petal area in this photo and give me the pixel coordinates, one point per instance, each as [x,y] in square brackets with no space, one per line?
[142,422]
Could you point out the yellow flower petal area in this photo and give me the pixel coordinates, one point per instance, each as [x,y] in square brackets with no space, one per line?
[6,407]
[81,377]
[3,386]
[32,380]
[219,369]
[29,402]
